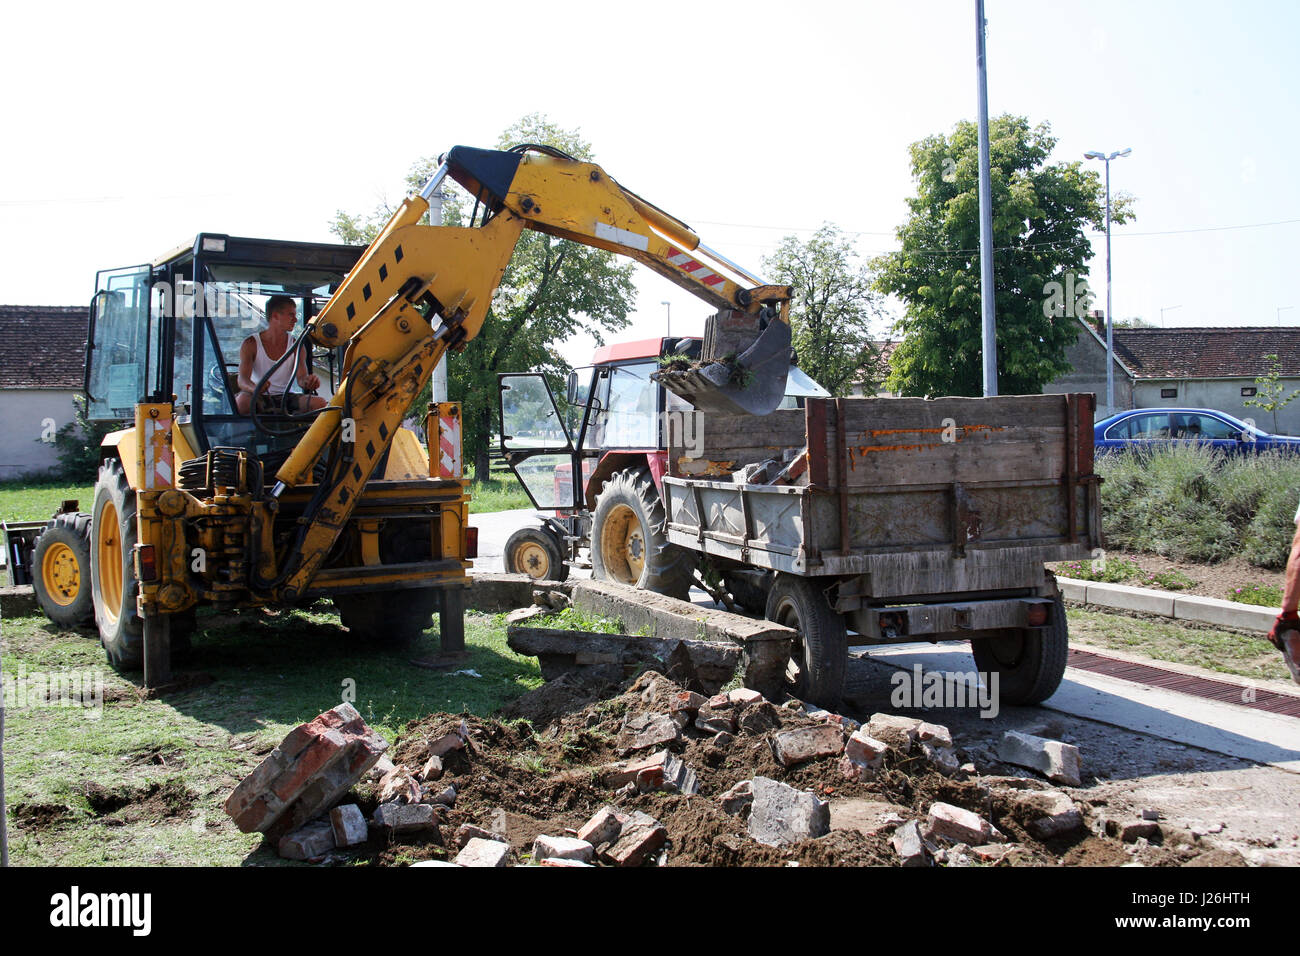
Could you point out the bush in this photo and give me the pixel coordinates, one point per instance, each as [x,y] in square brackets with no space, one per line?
[1265,595]
[78,445]
[1193,503]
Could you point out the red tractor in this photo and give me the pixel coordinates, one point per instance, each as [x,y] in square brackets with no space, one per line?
[614,432]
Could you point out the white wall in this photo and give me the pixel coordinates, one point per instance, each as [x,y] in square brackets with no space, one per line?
[27,415]
[1225,395]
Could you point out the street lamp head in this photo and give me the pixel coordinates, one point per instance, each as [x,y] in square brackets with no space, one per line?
[1093,154]
[1122,152]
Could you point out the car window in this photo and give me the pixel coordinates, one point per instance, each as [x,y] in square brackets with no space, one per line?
[1141,427]
[1212,427]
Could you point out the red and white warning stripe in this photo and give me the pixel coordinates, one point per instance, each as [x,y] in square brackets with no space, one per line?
[157,453]
[693,267]
[449,464]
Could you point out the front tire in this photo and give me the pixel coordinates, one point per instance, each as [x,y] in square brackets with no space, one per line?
[537,553]
[112,568]
[1030,662]
[628,540]
[61,572]
[819,657]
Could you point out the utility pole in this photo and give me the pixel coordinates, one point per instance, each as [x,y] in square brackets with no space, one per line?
[989,337]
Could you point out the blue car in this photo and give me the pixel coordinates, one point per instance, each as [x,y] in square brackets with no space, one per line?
[1161,427]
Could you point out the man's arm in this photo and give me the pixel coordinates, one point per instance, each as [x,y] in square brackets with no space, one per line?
[1291,592]
[307,380]
[247,353]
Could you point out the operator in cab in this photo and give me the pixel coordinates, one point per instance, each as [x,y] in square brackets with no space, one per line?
[260,351]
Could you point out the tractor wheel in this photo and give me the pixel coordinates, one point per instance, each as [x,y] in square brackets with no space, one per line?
[112,568]
[393,618]
[628,541]
[61,571]
[820,653]
[1030,662]
[537,553]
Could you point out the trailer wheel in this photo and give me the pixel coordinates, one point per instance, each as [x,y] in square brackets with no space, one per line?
[628,543]
[537,553]
[818,659]
[61,571]
[392,618]
[1030,662]
[112,568]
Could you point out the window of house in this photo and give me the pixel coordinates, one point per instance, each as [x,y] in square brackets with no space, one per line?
[1169,393]
[1248,391]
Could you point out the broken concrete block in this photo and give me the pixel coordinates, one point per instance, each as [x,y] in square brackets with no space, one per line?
[382,766]
[743,697]
[639,837]
[909,846]
[1148,813]
[349,825]
[851,769]
[687,701]
[604,827]
[468,831]
[898,732]
[992,852]
[1138,829]
[315,764]
[943,759]
[431,770]
[647,730]
[738,799]
[399,784]
[1057,761]
[445,797]
[709,721]
[521,614]
[308,842]
[956,825]
[864,749]
[562,848]
[1050,813]
[806,743]
[449,742]
[406,817]
[678,777]
[780,814]
[480,852]
[935,734]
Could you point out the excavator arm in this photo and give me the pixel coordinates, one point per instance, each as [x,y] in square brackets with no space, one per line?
[420,290]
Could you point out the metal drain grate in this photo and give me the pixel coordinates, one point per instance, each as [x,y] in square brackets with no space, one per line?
[1266,700]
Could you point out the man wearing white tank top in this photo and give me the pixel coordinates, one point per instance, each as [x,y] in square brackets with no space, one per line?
[260,351]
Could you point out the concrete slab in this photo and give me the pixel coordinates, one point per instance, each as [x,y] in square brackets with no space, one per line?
[1228,729]
[1127,598]
[1073,590]
[1246,617]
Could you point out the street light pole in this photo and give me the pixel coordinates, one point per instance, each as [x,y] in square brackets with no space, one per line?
[670,317]
[989,335]
[1110,320]
[1164,309]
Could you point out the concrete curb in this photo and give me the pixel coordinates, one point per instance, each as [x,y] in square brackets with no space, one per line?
[1183,607]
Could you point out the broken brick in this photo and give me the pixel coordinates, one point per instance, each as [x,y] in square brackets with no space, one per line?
[406,817]
[483,853]
[781,814]
[1057,761]
[604,827]
[639,837]
[308,842]
[960,826]
[349,825]
[562,848]
[806,743]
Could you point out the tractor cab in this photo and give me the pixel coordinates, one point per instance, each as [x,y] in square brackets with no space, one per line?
[172,330]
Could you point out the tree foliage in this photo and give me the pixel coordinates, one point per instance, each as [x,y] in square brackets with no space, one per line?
[832,310]
[1040,212]
[551,289]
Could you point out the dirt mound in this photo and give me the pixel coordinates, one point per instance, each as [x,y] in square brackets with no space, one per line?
[133,803]
[40,816]
[545,765]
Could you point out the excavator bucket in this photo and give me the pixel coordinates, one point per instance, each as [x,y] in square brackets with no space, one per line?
[749,382]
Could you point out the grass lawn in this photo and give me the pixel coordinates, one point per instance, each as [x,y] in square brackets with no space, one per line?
[1163,639]
[177,759]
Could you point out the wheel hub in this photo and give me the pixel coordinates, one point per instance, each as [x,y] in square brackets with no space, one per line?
[60,574]
[533,559]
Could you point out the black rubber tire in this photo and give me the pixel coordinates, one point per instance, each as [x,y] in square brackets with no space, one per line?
[1030,662]
[392,618]
[553,569]
[819,658]
[667,569]
[121,630]
[76,608]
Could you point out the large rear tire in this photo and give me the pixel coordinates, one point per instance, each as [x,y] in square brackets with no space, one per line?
[536,552]
[628,541]
[393,618]
[819,657]
[112,568]
[61,571]
[1030,662]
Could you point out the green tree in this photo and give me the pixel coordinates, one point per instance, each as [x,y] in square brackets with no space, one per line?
[1271,394]
[551,289]
[832,310]
[1040,212]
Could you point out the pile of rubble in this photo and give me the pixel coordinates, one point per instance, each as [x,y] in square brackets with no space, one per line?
[648,773]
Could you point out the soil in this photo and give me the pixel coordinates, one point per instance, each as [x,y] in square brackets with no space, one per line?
[158,800]
[1209,580]
[540,761]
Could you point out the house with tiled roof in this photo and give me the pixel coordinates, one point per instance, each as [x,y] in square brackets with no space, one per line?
[42,358]
[1188,366]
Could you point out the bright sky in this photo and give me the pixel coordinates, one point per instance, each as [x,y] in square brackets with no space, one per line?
[128,129]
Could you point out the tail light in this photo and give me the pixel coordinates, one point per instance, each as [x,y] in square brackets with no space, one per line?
[146,563]
[1037,615]
[471,542]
